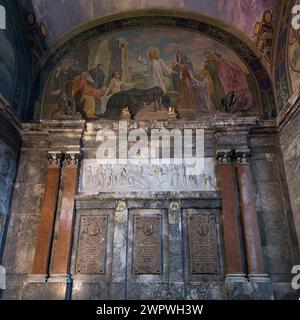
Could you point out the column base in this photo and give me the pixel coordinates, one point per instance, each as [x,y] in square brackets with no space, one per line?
[253,287]
[262,286]
[259,278]
[239,277]
[64,277]
[37,278]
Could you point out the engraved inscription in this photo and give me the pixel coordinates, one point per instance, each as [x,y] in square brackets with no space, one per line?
[147,245]
[91,245]
[203,244]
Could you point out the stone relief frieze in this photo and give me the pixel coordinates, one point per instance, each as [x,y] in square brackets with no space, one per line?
[97,177]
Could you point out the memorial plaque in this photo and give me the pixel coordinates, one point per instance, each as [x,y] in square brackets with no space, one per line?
[91,245]
[147,245]
[203,244]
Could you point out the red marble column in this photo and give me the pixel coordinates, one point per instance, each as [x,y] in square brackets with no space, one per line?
[47,217]
[232,243]
[62,251]
[255,265]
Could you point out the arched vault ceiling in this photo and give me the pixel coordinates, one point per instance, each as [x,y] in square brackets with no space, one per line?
[62,16]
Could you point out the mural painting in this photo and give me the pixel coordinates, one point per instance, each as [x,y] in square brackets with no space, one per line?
[150,73]
[294,56]
[243,14]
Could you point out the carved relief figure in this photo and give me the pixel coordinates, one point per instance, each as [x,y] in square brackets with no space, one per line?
[142,177]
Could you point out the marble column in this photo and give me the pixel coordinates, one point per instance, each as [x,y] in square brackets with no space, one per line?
[47,216]
[254,257]
[62,250]
[232,243]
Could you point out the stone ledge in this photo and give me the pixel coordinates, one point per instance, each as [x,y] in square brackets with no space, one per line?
[171,195]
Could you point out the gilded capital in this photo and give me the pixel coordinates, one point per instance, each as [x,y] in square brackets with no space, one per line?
[72,159]
[243,157]
[225,156]
[55,158]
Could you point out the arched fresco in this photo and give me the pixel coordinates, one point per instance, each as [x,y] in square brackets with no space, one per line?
[287,63]
[293,56]
[150,70]
[203,56]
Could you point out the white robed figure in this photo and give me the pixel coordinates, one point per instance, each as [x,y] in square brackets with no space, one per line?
[156,69]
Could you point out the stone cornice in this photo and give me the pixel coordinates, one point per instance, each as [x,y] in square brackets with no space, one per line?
[71,128]
[219,122]
[75,128]
[204,195]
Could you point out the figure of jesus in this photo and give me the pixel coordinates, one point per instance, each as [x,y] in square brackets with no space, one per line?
[156,69]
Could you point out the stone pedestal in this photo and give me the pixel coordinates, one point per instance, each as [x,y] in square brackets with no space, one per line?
[238,289]
[50,290]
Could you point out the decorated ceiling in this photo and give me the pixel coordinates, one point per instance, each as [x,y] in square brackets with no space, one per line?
[61,16]
[252,38]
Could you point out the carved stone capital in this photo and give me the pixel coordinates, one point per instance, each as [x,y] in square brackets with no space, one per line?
[225,156]
[243,157]
[55,158]
[72,159]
